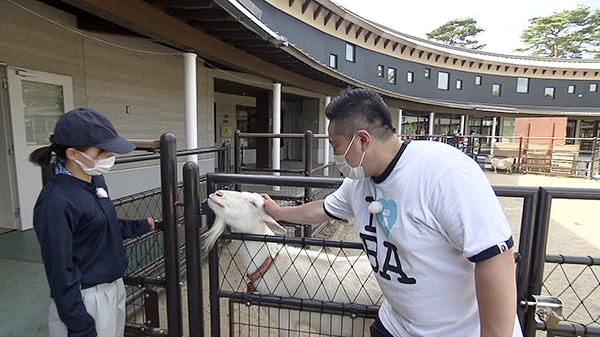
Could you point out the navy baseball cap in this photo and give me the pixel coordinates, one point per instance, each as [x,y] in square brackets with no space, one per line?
[86,127]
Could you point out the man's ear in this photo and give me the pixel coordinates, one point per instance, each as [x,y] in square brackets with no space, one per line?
[365,138]
[71,153]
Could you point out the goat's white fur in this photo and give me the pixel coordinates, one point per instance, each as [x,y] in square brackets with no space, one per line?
[502,163]
[296,272]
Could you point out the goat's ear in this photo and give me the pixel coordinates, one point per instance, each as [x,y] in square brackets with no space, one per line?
[274,226]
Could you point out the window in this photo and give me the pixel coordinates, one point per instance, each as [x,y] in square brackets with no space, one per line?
[333,61]
[593,87]
[391,75]
[477,80]
[549,93]
[458,84]
[571,89]
[496,90]
[410,77]
[350,52]
[43,106]
[380,71]
[522,85]
[427,73]
[443,79]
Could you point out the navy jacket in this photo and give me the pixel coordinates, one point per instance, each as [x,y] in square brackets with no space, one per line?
[82,244]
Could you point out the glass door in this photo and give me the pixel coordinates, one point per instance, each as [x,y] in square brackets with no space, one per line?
[37,100]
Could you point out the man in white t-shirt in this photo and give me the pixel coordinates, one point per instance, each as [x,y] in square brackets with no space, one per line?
[430,223]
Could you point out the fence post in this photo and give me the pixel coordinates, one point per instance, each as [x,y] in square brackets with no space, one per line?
[193,223]
[308,141]
[594,144]
[227,156]
[236,151]
[526,238]
[538,257]
[168,180]
[519,155]
[213,272]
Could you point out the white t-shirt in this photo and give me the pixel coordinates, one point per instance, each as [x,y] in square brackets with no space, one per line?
[439,211]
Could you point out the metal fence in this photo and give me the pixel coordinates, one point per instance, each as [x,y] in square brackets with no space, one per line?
[228,293]
[155,258]
[559,156]
[237,311]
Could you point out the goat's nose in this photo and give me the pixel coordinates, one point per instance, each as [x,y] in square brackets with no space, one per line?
[219,193]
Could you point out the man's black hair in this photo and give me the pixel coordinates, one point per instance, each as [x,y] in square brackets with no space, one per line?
[360,108]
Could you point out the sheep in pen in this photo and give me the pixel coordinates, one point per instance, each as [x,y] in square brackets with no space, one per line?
[289,271]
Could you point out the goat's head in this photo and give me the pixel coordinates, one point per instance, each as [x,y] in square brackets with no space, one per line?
[244,212]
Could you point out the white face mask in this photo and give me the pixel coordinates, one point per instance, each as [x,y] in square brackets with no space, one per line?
[347,170]
[101,166]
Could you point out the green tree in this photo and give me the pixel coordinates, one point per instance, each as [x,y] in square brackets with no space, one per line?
[568,34]
[458,32]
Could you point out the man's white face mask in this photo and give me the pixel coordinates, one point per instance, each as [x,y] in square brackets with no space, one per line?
[101,166]
[347,170]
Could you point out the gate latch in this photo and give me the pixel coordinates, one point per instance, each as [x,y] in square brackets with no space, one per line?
[548,308]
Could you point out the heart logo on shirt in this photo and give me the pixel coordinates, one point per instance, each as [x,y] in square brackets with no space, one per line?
[387,218]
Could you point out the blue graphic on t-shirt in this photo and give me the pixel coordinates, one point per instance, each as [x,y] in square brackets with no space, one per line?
[387,218]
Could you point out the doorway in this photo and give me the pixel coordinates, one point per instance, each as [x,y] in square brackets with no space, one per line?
[36,101]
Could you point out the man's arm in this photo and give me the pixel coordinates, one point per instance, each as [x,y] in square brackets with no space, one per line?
[310,213]
[497,294]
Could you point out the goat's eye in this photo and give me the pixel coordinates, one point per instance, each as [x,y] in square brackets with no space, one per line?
[253,204]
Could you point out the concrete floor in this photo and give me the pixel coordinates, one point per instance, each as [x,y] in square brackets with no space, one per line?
[24,290]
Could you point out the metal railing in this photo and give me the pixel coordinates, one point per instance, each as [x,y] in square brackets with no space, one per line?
[156,264]
[531,257]
[558,156]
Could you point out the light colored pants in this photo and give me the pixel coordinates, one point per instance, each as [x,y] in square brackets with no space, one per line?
[104,302]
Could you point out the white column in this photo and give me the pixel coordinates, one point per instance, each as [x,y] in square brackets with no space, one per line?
[399,128]
[494,123]
[326,146]
[431,123]
[191,104]
[276,129]
[462,125]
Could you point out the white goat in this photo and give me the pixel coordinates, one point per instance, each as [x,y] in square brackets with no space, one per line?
[502,163]
[291,271]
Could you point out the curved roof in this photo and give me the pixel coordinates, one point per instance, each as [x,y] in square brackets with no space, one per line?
[332,18]
[484,55]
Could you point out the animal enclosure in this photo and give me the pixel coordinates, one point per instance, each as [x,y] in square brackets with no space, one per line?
[239,312]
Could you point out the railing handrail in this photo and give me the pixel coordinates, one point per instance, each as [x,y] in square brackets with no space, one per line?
[156,156]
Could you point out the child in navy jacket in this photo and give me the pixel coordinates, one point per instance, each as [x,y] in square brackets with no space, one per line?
[76,224]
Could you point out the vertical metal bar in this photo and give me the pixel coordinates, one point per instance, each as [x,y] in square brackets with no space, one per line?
[308,141]
[213,272]
[538,256]
[168,179]
[231,319]
[151,308]
[227,156]
[519,154]
[307,231]
[191,179]
[525,249]
[236,151]
[594,144]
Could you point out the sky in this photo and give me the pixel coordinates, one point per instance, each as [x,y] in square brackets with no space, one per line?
[503,21]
